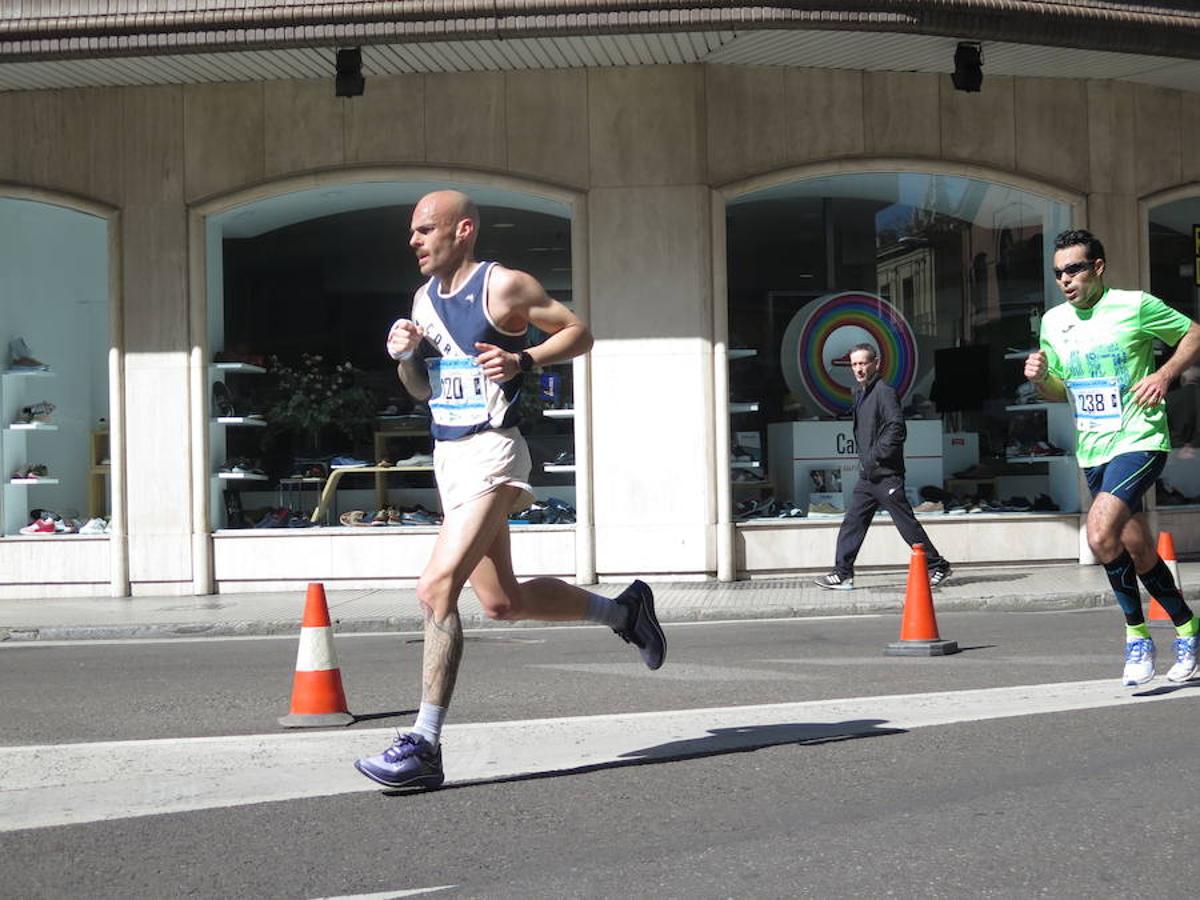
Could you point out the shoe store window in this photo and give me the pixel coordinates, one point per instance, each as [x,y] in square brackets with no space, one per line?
[1175,278]
[310,426]
[54,329]
[948,278]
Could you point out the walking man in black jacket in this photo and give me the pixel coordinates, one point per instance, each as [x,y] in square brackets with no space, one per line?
[879,435]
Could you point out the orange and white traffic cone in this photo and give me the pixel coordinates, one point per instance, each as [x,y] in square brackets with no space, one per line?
[317,696]
[918,625]
[1166,550]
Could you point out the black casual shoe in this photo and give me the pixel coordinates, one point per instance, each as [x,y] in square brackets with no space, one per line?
[835,582]
[642,628]
[940,574]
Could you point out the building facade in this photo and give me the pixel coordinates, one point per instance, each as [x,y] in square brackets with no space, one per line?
[727,199]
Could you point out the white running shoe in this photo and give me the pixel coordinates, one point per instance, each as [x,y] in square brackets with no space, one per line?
[1185,660]
[1139,662]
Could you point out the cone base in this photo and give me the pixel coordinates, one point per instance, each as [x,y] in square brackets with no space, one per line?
[315,720]
[921,648]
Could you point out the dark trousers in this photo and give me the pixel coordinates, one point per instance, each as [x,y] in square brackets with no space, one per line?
[868,496]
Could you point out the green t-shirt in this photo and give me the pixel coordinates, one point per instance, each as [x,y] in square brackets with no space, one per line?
[1101,353]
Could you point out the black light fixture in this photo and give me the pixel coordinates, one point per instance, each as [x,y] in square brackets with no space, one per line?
[968,67]
[349,81]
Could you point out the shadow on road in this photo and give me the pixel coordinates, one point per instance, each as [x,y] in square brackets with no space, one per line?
[717,742]
[1168,689]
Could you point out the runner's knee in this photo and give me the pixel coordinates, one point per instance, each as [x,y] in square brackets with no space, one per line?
[499,605]
[435,593]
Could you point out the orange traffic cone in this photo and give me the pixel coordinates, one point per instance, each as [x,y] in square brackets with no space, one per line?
[918,626]
[1166,549]
[317,696]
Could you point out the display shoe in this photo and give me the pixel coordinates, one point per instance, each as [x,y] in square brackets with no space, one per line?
[21,359]
[39,526]
[222,401]
[36,412]
[94,526]
[416,461]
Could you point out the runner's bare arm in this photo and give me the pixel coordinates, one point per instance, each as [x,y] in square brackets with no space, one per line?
[517,299]
[1152,389]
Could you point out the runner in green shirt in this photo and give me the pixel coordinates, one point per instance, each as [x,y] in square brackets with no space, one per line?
[1097,352]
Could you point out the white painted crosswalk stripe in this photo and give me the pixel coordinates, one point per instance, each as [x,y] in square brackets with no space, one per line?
[52,785]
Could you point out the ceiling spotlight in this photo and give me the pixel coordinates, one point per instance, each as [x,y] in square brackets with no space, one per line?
[968,67]
[349,81]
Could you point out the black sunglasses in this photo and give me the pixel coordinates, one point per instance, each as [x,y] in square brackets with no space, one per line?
[1072,269]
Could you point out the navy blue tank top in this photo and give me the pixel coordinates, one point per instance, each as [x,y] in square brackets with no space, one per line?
[463,401]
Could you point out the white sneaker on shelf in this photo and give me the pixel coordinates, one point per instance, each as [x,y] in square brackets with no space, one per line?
[94,526]
[1185,660]
[1139,662]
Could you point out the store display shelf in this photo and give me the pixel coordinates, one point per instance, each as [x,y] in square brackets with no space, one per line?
[755,484]
[27,373]
[558,413]
[1027,407]
[743,406]
[550,467]
[1039,459]
[1018,354]
[28,481]
[249,421]
[746,464]
[742,353]
[241,476]
[32,426]
[244,368]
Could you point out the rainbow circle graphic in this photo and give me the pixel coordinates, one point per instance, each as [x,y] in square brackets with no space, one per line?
[816,347]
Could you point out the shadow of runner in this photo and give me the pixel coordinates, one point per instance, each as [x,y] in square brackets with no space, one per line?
[716,742]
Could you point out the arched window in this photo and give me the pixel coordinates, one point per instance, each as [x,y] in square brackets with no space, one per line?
[947,276]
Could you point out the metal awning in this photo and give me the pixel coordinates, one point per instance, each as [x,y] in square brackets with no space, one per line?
[69,43]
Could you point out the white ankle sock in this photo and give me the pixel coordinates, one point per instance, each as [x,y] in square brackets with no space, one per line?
[606,612]
[429,722]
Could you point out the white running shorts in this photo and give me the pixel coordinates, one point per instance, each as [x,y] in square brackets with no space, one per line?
[479,463]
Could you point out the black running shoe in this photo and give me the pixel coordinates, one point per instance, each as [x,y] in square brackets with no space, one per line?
[642,628]
[940,574]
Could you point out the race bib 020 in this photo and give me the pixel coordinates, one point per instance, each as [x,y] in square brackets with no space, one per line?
[458,397]
[1097,403]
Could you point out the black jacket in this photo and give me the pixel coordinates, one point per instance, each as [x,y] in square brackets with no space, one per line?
[879,430]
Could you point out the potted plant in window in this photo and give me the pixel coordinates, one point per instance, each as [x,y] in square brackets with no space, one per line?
[318,401]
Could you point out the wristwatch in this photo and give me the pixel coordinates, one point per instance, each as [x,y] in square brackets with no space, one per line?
[525,361]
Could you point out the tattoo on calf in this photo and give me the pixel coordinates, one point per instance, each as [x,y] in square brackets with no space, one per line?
[442,654]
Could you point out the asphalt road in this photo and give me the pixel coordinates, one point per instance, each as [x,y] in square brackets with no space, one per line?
[1086,802]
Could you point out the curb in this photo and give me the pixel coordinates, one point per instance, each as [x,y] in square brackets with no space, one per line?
[886,602]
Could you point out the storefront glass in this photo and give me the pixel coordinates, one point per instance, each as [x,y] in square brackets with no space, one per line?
[54,334]
[948,277]
[310,425]
[1175,277]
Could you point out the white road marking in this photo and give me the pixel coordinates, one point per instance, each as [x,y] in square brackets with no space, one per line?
[52,785]
[391,895]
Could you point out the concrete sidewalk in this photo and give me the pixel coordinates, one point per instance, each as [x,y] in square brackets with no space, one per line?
[1037,588]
